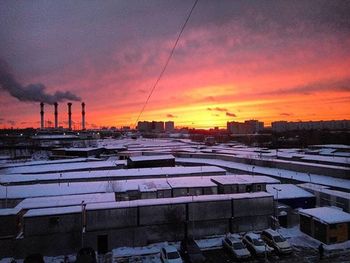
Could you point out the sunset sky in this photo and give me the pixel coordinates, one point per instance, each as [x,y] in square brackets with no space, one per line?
[236,60]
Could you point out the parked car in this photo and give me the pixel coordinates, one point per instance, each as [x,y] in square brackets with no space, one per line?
[236,247]
[86,255]
[169,254]
[256,245]
[190,251]
[275,240]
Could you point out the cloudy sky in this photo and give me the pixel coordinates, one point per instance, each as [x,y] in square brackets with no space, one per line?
[236,60]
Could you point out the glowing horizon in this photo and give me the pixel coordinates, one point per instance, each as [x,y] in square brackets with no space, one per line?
[235,61]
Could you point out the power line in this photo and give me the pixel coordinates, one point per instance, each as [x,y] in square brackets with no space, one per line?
[167,61]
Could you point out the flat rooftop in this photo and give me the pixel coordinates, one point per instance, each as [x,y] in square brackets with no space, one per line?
[329,215]
[115,173]
[144,202]
[145,158]
[244,179]
[287,191]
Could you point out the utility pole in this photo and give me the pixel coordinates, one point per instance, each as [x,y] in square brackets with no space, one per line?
[83,222]
[276,205]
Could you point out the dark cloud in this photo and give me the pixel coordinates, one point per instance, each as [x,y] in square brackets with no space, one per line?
[169,115]
[11,122]
[217,109]
[342,85]
[230,114]
[286,114]
[31,92]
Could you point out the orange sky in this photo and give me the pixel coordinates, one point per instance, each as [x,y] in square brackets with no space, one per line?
[234,62]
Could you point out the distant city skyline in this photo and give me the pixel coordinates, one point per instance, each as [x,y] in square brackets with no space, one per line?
[236,60]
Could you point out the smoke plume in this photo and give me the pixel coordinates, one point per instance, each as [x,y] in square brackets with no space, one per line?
[31,92]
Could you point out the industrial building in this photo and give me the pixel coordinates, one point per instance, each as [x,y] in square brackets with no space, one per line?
[70,121]
[79,152]
[284,126]
[242,183]
[328,197]
[154,126]
[247,127]
[292,196]
[169,126]
[151,161]
[326,224]
[58,230]
[15,187]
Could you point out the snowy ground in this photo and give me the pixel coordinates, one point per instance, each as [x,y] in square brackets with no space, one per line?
[305,248]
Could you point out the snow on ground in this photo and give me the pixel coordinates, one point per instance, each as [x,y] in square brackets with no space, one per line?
[299,239]
[150,253]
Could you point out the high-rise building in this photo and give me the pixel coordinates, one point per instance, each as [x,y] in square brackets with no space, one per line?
[283,126]
[169,126]
[247,127]
[158,126]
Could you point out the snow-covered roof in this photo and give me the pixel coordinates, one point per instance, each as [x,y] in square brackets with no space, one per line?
[244,179]
[312,186]
[142,185]
[326,190]
[185,182]
[54,211]
[282,173]
[9,211]
[76,149]
[57,189]
[329,215]
[287,191]
[47,162]
[143,202]
[145,158]
[334,146]
[118,173]
[55,136]
[61,167]
[64,200]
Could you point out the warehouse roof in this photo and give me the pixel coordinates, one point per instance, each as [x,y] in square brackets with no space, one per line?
[245,179]
[287,191]
[117,173]
[185,182]
[142,202]
[145,158]
[329,215]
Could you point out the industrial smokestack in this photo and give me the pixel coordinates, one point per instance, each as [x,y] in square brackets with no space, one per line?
[42,115]
[69,115]
[83,116]
[56,115]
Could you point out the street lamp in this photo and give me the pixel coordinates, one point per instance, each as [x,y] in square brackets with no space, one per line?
[276,206]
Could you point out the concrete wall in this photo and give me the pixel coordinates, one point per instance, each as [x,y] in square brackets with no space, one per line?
[44,225]
[110,218]
[8,226]
[209,210]
[162,214]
